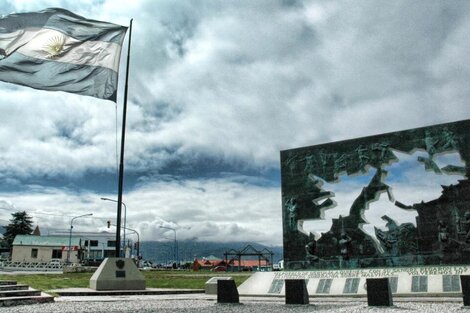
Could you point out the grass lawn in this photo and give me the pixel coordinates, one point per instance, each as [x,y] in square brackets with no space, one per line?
[154,279]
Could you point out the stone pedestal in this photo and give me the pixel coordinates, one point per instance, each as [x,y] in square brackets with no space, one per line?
[117,274]
[227,291]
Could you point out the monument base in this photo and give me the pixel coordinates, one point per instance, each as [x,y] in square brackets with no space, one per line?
[117,274]
[412,281]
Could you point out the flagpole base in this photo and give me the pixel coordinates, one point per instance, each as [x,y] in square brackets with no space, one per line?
[117,274]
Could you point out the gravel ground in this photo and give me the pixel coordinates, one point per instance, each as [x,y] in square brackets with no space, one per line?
[204,303]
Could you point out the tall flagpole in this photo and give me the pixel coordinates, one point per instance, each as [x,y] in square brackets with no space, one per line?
[121,162]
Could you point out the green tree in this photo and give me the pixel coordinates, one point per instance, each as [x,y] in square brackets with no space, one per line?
[20,224]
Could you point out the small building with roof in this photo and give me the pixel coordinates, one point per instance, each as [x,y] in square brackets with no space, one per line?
[86,247]
[30,248]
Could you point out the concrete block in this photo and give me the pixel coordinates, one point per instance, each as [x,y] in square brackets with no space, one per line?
[296,291]
[117,274]
[379,292]
[227,291]
[465,283]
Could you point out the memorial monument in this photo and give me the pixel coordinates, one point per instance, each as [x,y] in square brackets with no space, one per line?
[395,205]
[440,233]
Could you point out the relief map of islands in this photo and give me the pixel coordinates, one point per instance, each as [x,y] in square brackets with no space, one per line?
[391,200]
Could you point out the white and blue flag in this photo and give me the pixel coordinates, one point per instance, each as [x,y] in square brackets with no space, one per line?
[55,49]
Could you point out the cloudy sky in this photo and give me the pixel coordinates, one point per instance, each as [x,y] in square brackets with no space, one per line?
[216,90]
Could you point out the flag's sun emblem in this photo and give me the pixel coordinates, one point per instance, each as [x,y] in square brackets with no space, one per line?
[55,46]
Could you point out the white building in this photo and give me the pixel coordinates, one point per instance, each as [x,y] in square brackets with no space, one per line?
[94,246]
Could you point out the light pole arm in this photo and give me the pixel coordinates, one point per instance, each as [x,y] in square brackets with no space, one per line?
[118,242]
[70,234]
[138,237]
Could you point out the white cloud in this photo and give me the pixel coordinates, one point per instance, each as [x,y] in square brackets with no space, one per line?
[213,210]
[54,134]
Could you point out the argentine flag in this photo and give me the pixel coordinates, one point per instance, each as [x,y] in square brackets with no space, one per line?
[55,49]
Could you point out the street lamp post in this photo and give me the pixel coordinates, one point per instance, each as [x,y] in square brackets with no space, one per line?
[175,252]
[138,240]
[70,235]
[125,219]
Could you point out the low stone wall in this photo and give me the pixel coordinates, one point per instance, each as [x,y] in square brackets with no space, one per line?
[412,281]
[80,269]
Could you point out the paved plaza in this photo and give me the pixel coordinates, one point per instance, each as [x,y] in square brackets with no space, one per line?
[208,303]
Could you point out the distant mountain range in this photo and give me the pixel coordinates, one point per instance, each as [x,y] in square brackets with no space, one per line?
[164,252]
